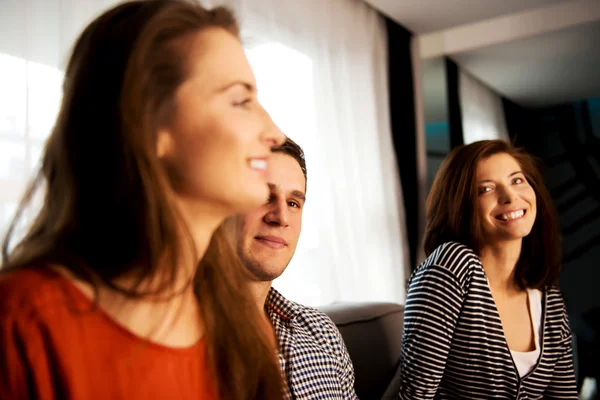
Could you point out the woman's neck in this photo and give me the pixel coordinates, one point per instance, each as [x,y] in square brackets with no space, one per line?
[198,223]
[499,262]
[172,316]
[201,220]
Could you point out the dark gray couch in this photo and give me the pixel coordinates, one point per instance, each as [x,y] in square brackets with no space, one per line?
[372,333]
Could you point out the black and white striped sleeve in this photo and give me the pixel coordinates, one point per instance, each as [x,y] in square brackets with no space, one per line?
[434,301]
[563,384]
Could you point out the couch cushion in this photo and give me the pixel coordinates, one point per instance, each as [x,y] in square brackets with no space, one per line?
[373,334]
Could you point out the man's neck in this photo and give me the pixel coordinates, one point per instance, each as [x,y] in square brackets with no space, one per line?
[260,291]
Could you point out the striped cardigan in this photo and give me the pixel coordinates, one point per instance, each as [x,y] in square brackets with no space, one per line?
[453,346]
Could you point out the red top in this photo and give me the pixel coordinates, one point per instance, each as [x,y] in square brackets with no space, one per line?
[55,345]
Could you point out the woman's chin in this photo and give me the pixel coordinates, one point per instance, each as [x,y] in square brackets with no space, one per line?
[516,234]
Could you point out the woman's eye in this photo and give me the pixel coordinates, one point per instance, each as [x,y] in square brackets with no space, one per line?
[518,180]
[244,103]
[485,189]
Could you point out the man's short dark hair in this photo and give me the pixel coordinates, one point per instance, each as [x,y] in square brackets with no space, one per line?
[292,149]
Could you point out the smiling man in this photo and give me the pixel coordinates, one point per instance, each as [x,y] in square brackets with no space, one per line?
[312,354]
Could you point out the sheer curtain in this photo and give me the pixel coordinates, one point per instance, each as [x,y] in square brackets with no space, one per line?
[321,68]
[321,71]
[482,110]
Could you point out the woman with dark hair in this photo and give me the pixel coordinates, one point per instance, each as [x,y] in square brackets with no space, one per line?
[159,138]
[484,316]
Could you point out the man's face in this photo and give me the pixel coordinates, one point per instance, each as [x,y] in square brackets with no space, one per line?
[269,234]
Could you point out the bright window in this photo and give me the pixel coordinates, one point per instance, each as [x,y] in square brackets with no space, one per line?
[29,102]
[285,88]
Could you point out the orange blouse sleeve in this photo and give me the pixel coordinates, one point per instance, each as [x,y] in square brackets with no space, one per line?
[24,364]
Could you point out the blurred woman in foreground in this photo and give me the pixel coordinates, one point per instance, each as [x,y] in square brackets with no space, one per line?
[159,138]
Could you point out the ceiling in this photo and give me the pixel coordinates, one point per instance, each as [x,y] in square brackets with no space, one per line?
[552,68]
[424,16]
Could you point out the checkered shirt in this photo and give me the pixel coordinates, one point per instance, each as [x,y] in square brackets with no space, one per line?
[312,353]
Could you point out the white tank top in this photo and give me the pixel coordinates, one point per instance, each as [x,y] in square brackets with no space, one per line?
[526,360]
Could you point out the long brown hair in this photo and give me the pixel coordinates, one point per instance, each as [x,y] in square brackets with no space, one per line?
[451,212]
[106,209]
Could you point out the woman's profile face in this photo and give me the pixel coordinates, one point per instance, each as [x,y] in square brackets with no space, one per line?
[506,201]
[217,146]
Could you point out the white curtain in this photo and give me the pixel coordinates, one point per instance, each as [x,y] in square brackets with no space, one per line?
[321,68]
[322,73]
[482,110]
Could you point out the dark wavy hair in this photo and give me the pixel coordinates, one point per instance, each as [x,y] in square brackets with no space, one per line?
[451,212]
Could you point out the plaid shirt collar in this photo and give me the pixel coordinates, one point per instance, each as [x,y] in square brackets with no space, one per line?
[277,304]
